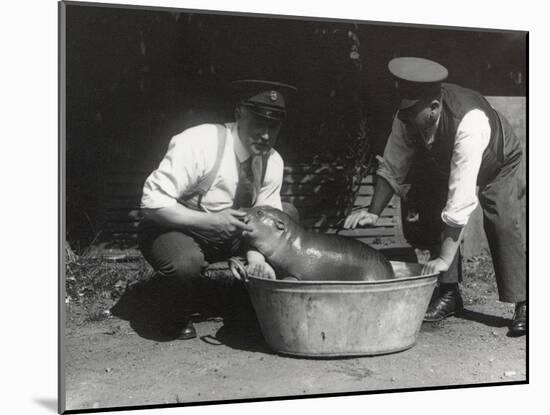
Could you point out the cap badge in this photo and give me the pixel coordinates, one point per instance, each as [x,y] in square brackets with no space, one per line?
[273,96]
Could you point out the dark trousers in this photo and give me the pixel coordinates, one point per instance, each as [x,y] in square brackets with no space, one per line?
[180,259]
[501,202]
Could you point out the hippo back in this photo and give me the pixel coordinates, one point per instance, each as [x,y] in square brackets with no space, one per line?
[311,256]
[339,258]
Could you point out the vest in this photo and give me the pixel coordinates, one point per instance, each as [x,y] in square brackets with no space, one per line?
[456,102]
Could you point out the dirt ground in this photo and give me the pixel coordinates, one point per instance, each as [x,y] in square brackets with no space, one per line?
[118,361]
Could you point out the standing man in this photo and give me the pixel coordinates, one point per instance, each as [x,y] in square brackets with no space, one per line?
[191,202]
[463,142]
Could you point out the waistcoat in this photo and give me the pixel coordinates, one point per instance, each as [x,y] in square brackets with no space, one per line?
[456,103]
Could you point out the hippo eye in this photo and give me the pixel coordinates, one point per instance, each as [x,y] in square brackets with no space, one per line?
[260,213]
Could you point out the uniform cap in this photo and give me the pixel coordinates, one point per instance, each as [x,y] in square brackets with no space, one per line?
[416,78]
[265,98]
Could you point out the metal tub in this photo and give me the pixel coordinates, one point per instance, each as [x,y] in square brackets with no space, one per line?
[341,318]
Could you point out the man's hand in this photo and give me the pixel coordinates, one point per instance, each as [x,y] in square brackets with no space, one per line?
[217,226]
[226,224]
[258,267]
[435,266]
[450,243]
[360,217]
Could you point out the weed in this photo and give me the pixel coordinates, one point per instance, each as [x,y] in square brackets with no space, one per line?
[479,267]
[93,282]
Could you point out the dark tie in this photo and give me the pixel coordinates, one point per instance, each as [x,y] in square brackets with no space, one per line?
[244,196]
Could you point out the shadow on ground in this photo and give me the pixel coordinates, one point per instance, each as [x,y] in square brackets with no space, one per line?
[144,306]
[475,316]
[243,337]
[486,319]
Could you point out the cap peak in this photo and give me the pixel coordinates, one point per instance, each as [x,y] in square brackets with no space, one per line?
[419,70]
[265,98]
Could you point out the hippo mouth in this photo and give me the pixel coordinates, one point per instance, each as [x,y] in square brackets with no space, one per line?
[251,218]
[247,218]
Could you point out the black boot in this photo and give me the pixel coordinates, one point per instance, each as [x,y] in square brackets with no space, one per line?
[188,331]
[177,307]
[447,303]
[181,331]
[519,321]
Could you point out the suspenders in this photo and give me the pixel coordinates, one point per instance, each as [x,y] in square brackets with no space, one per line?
[205,183]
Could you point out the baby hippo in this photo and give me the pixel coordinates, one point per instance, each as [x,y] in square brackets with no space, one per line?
[309,256]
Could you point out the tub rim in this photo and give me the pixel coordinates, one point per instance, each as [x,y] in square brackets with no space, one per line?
[291,282]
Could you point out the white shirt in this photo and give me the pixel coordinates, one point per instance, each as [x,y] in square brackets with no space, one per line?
[472,137]
[192,154]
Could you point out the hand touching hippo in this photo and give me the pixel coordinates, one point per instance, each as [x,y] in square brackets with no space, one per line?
[295,252]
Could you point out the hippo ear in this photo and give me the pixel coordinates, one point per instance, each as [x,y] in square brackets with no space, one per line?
[280,225]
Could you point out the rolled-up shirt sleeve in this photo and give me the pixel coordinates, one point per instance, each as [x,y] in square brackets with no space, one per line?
[184,163]
[398,155]
[270,191]
[472,137]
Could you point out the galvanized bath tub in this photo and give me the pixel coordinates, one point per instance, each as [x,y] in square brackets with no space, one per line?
[340,318]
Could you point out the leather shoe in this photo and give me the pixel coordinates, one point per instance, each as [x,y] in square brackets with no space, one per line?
[447,304]
[188,331]
[519,321]
[176,331]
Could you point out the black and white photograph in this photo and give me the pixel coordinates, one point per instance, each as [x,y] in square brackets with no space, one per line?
[263,206]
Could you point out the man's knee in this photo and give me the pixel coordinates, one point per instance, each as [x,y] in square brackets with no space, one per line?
[187,265]
[174,255]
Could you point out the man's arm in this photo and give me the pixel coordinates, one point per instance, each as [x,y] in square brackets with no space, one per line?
[383,193]
[215,225]
[451,238]
[190,154]
[472,137]
[391,172]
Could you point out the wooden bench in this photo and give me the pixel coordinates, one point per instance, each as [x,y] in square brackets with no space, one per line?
[317,191]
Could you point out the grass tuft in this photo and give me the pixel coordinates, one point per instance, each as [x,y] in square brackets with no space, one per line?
[93,283]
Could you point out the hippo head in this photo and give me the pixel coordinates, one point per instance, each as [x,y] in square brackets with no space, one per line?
[270,228]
